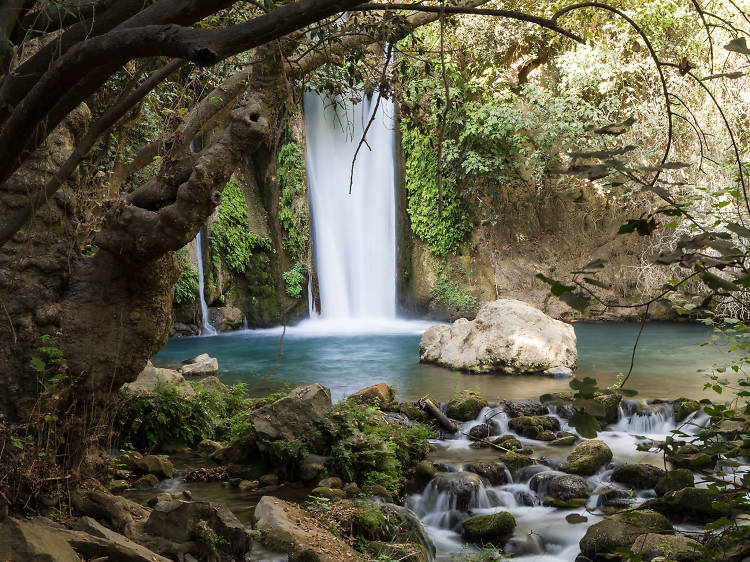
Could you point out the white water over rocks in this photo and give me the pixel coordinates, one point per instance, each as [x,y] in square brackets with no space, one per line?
[354,235]
[207,328]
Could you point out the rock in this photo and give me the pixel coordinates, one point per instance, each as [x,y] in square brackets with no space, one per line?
[413,412]
[351,489]
[480,431]
[288,528]
[208,447]
[425,471]
[402,525]
[683,407]
[674,480]
[610,403]
[509,442]
[146,482]
[226,318]
[621,531]
[534,426]
[312,468]
[378,394]
[202,364]
[514,461]
[494,472]
[117,512]
[495,528]
[213,384]
[331,482]
[248,485]
[506,336]
[181,522]
[291,417]
[691,503]
[330,493]
[516,408]
[565,441]
[269,480]
[163,497]
[377,491]
[673,547]
[612,496]
[462,485]
[24,541]
[638,476]
[588,457]
[558,372]
[151,377]
[158,465]
[692,457]
[466,406]
[403,552]
[110,544]
[560,489]
[117,486]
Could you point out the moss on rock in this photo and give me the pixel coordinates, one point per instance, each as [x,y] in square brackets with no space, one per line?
[683,407]
[466,406]
[674,480]
[495,528]
[621,531]
[535,427]
[588,457]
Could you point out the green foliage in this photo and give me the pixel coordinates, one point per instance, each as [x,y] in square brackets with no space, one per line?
[447,292]
[294,280]
[292,199]
[186,289]
[230,235]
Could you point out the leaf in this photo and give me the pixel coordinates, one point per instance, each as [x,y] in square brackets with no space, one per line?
[739,229]
[575,518]
[38,364]
[596,264]
[738,45]
[716,283]
[586,385]
[589,406]
[585,424]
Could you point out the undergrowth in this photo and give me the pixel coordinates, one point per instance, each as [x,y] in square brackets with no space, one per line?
[186,289]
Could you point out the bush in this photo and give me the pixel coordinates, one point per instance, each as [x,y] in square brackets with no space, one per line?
[292,210]
[294,280]
[186,289]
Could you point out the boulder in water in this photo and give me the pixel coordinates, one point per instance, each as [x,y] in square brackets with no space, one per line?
[610,404]
[507,336]
[638,476]
[563,439]
[535,427]
[513,460]
[480,431]
[674,480]
[588,457]
[495,528]
[671,547]
[462,485]
[465,406]
[291,417]
[226,318]
[202,364]
[494,472]
[158,465]
[694,504]
[560,489]
[683,407]
[425,471]
[515,408]
[621,531]
[692,457]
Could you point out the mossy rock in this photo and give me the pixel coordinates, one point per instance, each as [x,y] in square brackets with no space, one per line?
[621,531]
[509,442]
[674,480]
[404,552]
[413,412]
[546,436]
[329,493]
[638,476]
[610,403]
[466,406]
[692,457]
[572,503]
[694,504]
[534,426]
[588,457]
[514,461]
[495,528]
[683,407]
[425,470]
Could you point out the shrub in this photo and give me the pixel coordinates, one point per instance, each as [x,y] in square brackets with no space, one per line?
[186,289]
[294,280]
[292,210]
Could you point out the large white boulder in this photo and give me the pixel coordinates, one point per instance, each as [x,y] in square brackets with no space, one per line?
[507,336]
[202,364]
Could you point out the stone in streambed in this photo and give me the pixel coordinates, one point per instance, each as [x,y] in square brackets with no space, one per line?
[692,457]
[507,336]
[516,408]
[621,531]
[466,406]
[495,528]
[513,461]
[674,480]
[694,504]
[291,417]
[146,482]
[202,364]
[425,471]
[560,489]
[329,493]
[638,476]
[535,427]
[158,465]
[683,407]
[672,547]
[494,472]
[207,447]
[563,439]
[480,431]
[462,485]
[588,457]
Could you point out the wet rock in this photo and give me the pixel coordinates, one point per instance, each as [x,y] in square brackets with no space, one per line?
[683,407]
[480,431]
[182,522]
[673,547]
[509,442]
[588,457]
[248,485]
[466,406]
[534,427]
[290,417]
[117,486]
[413,412]
[514,461]
[560,489]
[563,439]
[286,527]
[269,480]
[425,471]
[238,452]
[401,524]
[226,318]
[695,504]
[526,473]
[494,472]
[25,541]
[692,457]
[330,493]
[208,447]
[151,377]
[378,394]
[312,468]
[507,336]
[610,404]
[612,496]
[163,497]
[462,485]
[495,528]
[331,482]
[621,531]
[516,408]
[158,465]
[202,364]
[638,476]
[674,480]
[146,482]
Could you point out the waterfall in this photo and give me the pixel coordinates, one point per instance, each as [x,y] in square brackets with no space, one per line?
[207,328]
[354,235]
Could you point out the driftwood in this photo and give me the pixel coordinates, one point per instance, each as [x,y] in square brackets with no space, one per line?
[434,412]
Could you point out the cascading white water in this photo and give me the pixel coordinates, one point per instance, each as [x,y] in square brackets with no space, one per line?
[207,328]
[354,235]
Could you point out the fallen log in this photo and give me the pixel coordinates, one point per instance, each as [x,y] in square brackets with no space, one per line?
[434,412]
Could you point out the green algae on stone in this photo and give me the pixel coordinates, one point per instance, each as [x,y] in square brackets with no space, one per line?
[588,457]
[495,528]
[466,406]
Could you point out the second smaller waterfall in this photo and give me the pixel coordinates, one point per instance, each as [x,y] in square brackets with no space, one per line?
[207,328]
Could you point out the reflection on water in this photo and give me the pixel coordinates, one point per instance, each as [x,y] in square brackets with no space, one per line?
[347,358]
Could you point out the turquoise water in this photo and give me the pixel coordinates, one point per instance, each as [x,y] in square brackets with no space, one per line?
[346,358]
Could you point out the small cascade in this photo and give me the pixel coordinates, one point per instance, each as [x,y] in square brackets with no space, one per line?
[206,329]
[244,321]
[652,419]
